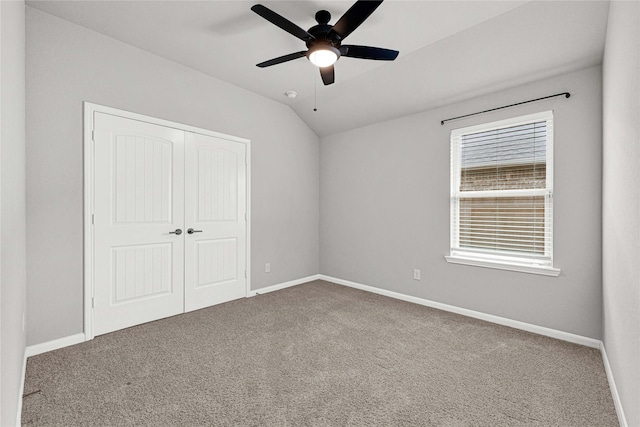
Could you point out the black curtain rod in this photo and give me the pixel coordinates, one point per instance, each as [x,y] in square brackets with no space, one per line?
[566,94]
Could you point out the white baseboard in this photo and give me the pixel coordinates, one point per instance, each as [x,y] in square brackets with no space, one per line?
[283,285]
[22,378]
[44,347]
[612,386]
[553,333]
[541,330]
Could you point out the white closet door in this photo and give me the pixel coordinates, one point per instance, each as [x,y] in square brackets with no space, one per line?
[138,198]
[215,210]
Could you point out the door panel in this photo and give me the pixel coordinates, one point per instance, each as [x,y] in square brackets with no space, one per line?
[140,271]
[216,181]
[143,168]
[215,206]
[138,199]
[216,261]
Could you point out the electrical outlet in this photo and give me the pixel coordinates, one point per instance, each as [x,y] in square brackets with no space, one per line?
[267,267]
[416,274]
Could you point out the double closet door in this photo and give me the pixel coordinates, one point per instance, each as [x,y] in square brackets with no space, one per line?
[169,226]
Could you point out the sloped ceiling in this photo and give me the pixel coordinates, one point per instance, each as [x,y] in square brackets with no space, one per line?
[449,50]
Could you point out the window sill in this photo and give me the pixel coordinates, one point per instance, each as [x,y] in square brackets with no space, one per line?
[545,271]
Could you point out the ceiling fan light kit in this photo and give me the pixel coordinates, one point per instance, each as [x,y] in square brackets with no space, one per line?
[324,41]
[323,56]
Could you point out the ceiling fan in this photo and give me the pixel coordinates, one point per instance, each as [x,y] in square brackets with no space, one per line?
[324,41]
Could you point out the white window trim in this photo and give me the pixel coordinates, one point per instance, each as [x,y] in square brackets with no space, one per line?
[544,271]
[508,261]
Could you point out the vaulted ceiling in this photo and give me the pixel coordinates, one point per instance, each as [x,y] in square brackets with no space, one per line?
[449,50]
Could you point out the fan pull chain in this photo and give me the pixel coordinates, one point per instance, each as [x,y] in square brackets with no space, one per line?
[315,94]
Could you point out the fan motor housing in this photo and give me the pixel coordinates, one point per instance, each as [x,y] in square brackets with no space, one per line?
[321,33]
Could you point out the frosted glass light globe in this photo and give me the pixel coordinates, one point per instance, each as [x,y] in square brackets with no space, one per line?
[323,57]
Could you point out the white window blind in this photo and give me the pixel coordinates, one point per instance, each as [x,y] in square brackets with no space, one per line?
[501,191]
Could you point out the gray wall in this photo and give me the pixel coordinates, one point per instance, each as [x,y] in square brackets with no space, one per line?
[12,211]
[621,203]
[68,64]
[384,203]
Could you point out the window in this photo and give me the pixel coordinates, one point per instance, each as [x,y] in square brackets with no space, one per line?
[502,194]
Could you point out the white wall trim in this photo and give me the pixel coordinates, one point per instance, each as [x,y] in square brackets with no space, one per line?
[544,271]
[553,333]
[284,285]
[44,347]
[247,266]
[540,330]
[91,107]
[21,391]
[88,215]
[612,386]
[56,344]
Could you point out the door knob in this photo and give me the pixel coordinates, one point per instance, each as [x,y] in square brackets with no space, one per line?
[191,231]
[177,232]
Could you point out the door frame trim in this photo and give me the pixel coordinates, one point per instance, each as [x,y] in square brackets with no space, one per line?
[88,238]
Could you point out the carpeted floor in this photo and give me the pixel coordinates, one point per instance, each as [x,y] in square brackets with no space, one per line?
[319,354]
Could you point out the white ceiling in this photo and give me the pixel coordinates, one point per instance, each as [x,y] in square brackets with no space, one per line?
[449,50]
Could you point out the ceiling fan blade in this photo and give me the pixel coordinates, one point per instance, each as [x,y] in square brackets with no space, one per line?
[353,17]
[281,59]
[368,52]
[327,74]
[282,22]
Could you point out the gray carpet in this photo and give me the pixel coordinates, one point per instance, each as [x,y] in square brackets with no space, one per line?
[319,354]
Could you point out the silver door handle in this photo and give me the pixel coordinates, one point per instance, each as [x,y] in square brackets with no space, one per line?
[191,231]
[177,232]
